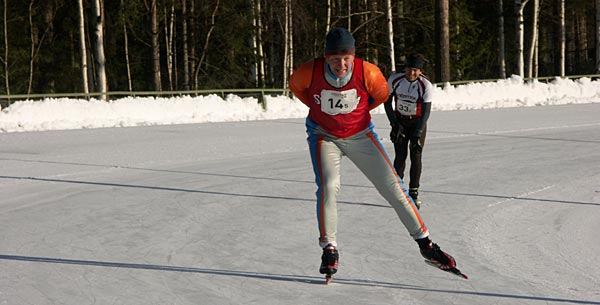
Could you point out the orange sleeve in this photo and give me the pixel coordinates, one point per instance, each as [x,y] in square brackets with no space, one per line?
[300,81]
[376,83]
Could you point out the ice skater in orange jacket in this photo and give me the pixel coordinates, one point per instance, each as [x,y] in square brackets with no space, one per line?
[340,91]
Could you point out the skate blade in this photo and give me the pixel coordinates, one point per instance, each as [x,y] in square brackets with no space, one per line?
[452,270]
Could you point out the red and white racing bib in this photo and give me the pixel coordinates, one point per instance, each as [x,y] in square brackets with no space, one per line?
[339,102]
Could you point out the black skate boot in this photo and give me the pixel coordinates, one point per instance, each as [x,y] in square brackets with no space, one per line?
[329,262]
[434,254]
[437,258]
[413,192]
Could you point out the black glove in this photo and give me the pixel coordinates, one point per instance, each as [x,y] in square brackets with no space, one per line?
[397,132]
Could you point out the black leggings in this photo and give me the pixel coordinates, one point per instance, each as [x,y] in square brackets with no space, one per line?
[402,147]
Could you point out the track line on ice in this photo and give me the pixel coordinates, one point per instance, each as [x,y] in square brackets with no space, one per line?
[539,128]
[449,134]
[521,196]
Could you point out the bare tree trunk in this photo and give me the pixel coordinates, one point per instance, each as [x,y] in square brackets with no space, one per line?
[328,21]
[192,45]
[186,62]
[571,44]
[597,36]
[91,60]
[442,41]
[372,52]
[5,59]
[206,43]
[563,40]
[536,57]
[34,41]
[286,50]
[126,37]
[366,11]
[291,38]
[582,46]
[155,46]
[390,25]
[501,41]
[84,67]
[253,4]
[520,6]
[100,59]
[534,38]
[349,15]
[458,47]
[126,46]
[272,63]
[259,36]
[316,32]
[401,32]
[169,42]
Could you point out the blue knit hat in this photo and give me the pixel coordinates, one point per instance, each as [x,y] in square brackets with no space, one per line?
[339,41]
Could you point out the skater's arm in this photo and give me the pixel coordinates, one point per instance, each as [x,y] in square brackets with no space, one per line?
[376,84]
[425,110]
[425,107]
[300,81]
[389,110]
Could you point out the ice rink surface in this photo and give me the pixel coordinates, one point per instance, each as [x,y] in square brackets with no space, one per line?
[224,213]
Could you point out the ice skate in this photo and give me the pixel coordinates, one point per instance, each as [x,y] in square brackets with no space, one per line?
[435,257]
[434,254]
[329,262]
[414,194]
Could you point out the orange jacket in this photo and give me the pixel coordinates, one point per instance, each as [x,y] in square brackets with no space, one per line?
[374,81]
[375,84]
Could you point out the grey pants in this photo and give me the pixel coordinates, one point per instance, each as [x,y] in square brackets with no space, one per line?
[367,153]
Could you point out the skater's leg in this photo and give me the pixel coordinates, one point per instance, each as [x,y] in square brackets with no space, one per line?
[416,156]
[326,159]
[371,158]
[401,153]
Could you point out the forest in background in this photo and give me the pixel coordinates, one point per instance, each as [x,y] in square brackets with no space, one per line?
[170,45]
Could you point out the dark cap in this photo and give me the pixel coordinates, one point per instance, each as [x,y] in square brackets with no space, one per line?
[339,41]
[415,61]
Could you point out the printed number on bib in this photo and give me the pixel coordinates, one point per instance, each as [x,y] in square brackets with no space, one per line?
[339,102]
[406,108]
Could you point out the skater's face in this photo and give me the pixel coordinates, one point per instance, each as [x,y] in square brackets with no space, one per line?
[340,64]
[412,73]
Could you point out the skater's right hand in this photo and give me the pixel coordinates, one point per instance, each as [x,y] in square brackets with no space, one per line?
[397,132]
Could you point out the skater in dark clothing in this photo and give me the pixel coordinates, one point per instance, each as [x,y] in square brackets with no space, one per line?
[340,91]
[408,109]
